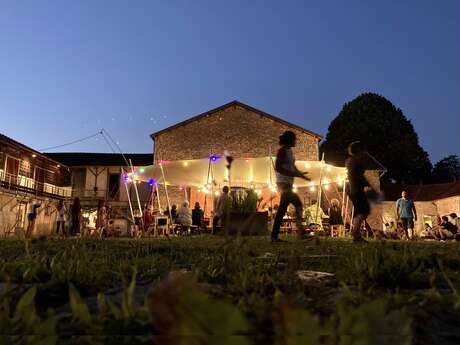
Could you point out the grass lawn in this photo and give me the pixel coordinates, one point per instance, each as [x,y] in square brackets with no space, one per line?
[209,290]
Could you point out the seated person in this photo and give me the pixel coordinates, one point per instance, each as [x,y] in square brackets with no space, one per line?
[447,229]
[184,215]
[314,214]
[197,215]
[427,232]
[390,231]
[455,220]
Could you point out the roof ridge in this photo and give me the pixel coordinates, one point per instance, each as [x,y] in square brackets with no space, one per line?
[226,105]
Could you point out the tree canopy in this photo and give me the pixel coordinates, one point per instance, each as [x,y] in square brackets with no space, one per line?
[388,135]
[447,170]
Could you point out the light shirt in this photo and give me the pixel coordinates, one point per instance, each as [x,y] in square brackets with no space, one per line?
[61,214]
[288,164]
[314,214]
[223,205]
[184,216]
[405,208]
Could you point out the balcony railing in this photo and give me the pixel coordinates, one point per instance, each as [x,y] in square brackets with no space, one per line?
[29,185]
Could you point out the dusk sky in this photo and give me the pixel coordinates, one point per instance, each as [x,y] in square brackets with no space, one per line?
[69,68]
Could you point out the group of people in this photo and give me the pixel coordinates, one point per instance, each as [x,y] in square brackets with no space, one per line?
[67,220]
[360,191]
[360,188]
[286,171]
[443,228]
[185,216]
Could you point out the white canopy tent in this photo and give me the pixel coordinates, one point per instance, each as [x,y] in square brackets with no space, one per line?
[210,174]
[245,172]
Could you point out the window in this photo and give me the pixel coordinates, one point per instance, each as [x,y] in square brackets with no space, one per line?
[79,180]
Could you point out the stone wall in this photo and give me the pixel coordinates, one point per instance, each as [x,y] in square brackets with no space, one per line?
[242,132]
[448,205]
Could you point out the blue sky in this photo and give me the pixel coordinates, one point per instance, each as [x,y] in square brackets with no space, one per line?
[69,68]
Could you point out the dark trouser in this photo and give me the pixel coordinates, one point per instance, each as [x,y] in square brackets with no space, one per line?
[75,227]
[60,225]
[407,223]
[215,221]
[287,197]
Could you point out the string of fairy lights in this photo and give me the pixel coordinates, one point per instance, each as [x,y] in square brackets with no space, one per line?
[211,187]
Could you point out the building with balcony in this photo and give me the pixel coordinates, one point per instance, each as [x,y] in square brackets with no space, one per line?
[97,177]
[27,176]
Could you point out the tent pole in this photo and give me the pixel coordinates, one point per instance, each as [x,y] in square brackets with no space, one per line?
[158,197]
[270,162]
[352,215]
[137,194]
[343,196]
[166,192]
[319,189]
[206,186]
[127,193]
[212,183]
[346,209]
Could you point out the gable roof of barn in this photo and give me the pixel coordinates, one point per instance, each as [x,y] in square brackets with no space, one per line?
[230,104]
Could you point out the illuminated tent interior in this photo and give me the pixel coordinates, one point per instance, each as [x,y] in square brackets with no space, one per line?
[245,172]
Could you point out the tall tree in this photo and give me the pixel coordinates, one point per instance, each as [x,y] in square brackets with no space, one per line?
[447,170]
[387,133]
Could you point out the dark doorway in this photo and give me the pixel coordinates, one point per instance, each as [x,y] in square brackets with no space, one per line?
[114,186]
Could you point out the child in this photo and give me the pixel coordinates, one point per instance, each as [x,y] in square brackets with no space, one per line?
[31,217]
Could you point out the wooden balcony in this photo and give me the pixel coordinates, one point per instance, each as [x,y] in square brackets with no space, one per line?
[19,183]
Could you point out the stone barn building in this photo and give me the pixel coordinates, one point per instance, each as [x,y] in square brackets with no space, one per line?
[245,132]
[236,127]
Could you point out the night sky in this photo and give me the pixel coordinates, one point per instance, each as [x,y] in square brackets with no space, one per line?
[69,68]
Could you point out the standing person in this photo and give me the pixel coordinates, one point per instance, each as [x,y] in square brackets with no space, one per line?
[60,218]
[75,212]
[405,210]
[31,217]
[173,213]
[335,217]
[286,170]
[102,218]
[197,215]
[358,184]
[147,218]
[222,209]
